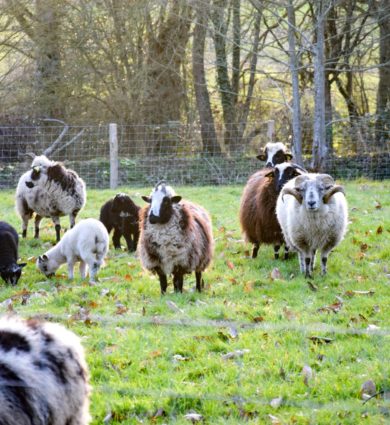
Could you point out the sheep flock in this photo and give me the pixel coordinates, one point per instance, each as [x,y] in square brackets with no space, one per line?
[281,204]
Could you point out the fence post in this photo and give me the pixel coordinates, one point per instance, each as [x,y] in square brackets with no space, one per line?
[113,135]
[270,130]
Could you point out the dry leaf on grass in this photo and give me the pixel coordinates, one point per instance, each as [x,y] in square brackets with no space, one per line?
[275,274]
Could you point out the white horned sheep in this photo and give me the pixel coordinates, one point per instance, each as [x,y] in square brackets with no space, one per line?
[274,153]
[87,243]
[10,270]
[313,214]
[257,209]
[43,374]
[175,237]
[49,190]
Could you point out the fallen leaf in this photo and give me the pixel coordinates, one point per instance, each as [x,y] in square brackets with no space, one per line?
[320,339]
[274,420]
[128,277]
[276,402]
[367,389]
[180,358]
[307,373]
[353,293]
[234,354]
[121,309]
[312,286]
[335,307]
[363,247]
[379,230]
[174,307]
[194,417]
[288,314]
[275,274]
[230,265]
[378,205]
[248,287]
[258,319]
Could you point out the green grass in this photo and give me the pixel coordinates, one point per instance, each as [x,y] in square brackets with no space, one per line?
[131,334]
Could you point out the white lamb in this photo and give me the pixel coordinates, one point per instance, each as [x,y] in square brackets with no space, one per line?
[87,243]
[49,190]
[314,218]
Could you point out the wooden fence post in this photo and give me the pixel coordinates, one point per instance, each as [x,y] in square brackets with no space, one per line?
[113,135]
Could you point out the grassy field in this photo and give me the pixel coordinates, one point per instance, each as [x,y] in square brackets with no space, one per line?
[259,345]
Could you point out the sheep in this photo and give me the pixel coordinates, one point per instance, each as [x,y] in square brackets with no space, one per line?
[313,218]
[43,374]
[10,270]
[87,243]
[274,153]
[121,214]
[257,209]
[49,190]
[175,237]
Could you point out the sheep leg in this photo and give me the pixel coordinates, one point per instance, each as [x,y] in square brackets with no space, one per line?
[308,266]
[256,247]
[83,269]
[116,238]
[324,258]
[178,281]
[301,261]
[129,241]
[70,268]
[57,225]
[313,260]
[163,280]
[38,219]
[135,239]
[198,276]
[276,251]
[25,219]
[286,250]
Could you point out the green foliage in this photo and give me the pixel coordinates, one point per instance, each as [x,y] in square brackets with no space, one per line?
[155,359]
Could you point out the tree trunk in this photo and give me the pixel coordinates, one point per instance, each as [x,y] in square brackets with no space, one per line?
[383,96]
[293,62]
[224,86]
[207,128]
[166,51]
[319,147]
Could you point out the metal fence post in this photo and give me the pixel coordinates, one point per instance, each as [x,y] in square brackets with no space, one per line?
[113,135]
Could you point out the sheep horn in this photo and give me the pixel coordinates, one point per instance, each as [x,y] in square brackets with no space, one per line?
[293,192]
[331,192]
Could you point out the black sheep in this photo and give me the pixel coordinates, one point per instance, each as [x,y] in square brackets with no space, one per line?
[121,214]
[10,271]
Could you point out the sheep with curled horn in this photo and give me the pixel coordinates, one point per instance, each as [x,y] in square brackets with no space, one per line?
[175,237]
[257,209]
[313,214]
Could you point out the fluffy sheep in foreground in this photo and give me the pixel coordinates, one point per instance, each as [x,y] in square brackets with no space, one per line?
[86,243]
[43,374]
[176,237]
[49,190]
[274,153]
[313,214]
[257,210]
[10,270]
[122,215]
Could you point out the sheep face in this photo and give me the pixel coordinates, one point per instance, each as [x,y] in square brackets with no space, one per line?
[284,172]
[274,153]
[313,193]
[161,203]
[47,266]
[11,273]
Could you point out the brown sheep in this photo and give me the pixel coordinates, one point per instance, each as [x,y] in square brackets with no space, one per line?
[257,210]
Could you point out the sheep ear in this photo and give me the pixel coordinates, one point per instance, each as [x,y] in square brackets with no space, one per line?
[42,258]
[270,174]
[147,199]
[293,192]
[176,199]
[21,265]
[331,192]
[261,157]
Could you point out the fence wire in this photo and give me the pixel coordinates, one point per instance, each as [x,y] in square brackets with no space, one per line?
[188,155]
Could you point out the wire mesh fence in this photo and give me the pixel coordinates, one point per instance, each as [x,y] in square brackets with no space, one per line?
[188,154]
